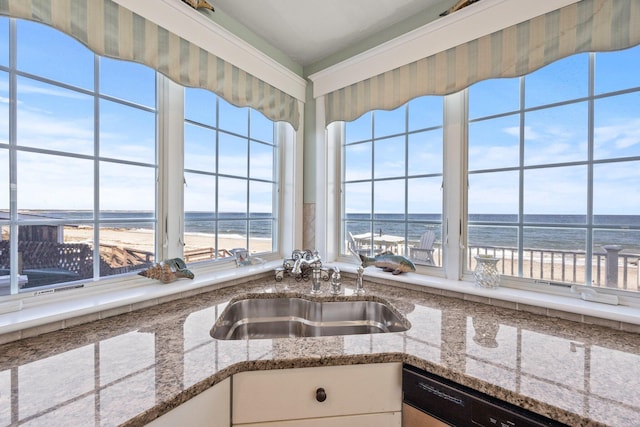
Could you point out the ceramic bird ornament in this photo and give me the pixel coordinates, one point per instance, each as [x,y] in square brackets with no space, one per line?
[459,5]
[168,271]
[199,4]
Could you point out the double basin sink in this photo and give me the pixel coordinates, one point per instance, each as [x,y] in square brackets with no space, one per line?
[288,317]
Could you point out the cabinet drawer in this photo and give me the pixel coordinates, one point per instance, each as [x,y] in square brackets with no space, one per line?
[288,394]
[386,419]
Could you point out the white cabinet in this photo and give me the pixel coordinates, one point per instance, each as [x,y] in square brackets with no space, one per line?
[337,396]
[211,408]
[368,420]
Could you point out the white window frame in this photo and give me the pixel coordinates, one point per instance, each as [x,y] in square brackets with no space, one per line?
[488,17]
[126,290]
[14,148]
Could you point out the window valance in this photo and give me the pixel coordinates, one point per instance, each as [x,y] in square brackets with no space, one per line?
[114,31]
[585,26]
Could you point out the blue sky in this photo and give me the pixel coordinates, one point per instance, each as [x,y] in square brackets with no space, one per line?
[53,117]
[551,135]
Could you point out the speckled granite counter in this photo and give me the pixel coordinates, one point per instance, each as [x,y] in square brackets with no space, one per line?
[131,368]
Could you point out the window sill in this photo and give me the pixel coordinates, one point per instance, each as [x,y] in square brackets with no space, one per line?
[569,307]
[30,316]
[46,313]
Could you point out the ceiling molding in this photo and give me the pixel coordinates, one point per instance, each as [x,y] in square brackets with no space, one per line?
[476,20]
[180,19]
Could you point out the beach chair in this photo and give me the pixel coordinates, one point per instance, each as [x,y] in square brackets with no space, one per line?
[363,247]
[424,251]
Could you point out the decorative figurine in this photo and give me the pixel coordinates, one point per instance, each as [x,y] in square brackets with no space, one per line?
[199,4]
[168,271]
[388,261]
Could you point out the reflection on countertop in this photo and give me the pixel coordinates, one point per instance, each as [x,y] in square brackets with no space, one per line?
[131,368]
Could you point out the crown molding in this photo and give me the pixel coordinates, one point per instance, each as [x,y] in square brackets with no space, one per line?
[470,23]
[177,17]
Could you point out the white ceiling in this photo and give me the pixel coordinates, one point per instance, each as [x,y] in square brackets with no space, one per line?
[310,30]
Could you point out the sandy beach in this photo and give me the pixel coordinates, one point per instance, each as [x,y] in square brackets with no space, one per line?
[143,240]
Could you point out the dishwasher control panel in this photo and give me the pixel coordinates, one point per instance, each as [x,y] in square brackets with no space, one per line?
[457,405]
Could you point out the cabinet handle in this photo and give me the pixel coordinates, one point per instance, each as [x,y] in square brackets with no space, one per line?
[321,395]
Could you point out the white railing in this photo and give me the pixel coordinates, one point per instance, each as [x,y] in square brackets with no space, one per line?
[565,266]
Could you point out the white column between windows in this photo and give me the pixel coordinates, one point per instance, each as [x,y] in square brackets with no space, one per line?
[327,156]
[455,183]
[321,220]
[290,187]
[170,177]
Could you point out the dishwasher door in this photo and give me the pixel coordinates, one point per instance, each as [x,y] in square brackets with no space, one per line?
[412,417]
[429,400]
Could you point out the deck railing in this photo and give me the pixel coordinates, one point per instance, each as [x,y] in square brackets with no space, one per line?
[205,254]
[565,266]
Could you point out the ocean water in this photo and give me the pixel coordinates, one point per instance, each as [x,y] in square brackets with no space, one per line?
[561,232]
[233,223]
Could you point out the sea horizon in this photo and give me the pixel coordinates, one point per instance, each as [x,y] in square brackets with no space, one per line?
[561,232]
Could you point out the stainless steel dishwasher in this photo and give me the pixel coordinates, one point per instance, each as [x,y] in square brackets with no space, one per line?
[432,401]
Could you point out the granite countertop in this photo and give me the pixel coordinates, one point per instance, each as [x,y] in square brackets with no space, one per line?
[131,368]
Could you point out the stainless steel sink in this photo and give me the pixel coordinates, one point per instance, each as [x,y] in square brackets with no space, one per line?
[254,318]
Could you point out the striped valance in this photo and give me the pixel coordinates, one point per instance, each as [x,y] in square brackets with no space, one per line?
[586,26]
[112,30]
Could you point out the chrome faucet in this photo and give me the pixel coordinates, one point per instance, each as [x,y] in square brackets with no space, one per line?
[315,263]
[306,261]
[359,287]
[316,277]
[336,285]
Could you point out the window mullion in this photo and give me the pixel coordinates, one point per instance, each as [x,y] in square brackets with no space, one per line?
[520,242]
[590,147]
[13,160]
[96,166]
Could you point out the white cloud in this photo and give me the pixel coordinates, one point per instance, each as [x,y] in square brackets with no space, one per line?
[619,136]
[529,133]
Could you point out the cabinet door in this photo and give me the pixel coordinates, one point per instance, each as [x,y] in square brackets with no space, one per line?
[211,408]
[388,419]
[302,393]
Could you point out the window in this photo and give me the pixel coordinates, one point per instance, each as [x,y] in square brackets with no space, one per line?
[78,156]
[551,161]
[554,161]
[230,173]
[79,164]
[392,180]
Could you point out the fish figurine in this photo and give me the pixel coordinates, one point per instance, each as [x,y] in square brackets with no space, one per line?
[388,261]
[168,271]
